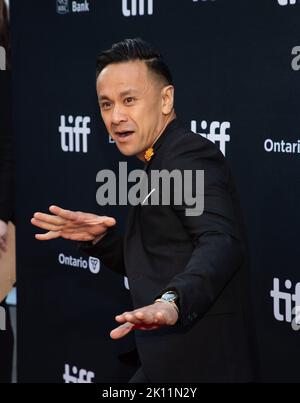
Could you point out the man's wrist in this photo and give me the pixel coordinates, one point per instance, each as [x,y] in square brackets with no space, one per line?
[170,297]
[168,302]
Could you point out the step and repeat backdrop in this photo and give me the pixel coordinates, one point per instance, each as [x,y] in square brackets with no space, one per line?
[236,67]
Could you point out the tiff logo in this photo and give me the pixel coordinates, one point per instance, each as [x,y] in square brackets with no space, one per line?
[2,318]
[2,58]
[216,133]
[286,2]
[136,7]
[282,303]
[81,376]
[73,137]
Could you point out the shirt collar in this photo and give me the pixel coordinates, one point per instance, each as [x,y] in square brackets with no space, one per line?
[165,134]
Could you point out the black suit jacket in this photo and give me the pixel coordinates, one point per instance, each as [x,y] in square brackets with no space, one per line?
[201,257]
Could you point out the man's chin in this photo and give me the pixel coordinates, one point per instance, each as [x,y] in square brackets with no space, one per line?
[126,151]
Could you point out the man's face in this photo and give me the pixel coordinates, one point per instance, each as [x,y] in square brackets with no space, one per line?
[131,104]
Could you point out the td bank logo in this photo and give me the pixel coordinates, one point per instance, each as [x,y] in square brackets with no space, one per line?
[63,6]
[92,263]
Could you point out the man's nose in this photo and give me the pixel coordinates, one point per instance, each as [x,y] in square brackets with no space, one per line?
[118,115]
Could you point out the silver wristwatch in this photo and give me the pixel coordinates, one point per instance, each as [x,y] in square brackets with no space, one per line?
[171,297]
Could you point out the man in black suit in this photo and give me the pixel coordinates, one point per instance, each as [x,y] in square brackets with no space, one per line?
[186,272]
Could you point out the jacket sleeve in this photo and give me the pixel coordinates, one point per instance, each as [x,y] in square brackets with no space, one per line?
[109,250]
[218,250]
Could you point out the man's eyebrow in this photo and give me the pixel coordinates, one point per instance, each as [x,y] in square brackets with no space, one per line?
[129,91]
[103,97]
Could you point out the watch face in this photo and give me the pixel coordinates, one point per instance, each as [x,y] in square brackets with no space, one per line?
[171,296]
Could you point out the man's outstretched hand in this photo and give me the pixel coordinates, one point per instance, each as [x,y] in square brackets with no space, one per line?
[147,318]
[74,225]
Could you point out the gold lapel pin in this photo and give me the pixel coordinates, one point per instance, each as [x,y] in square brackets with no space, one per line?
[148,154]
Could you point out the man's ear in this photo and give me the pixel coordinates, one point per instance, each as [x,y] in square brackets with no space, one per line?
[167,96]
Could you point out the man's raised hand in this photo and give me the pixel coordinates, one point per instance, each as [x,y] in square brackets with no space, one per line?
[73,225]
[147,318]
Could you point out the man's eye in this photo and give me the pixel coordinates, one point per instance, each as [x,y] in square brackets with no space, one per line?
[129,100]
[105,105]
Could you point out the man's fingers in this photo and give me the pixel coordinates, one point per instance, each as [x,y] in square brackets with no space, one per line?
[76,236]
[151,317]
[128,317]
[66,214]
[49,235]
[121,330]
[81,217]
[45,225]
[48,218]
[124,317]
[160,318]
[146,327]
[96,220]
[109,221]
[146,317]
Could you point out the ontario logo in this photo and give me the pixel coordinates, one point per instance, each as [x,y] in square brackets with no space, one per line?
[92,263]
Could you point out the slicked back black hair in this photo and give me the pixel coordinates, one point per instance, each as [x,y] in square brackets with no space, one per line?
[135,49]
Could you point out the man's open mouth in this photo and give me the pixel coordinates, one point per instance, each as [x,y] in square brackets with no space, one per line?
[124,134]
